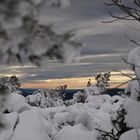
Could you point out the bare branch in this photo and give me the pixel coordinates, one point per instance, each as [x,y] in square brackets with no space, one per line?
[129,12]
[129,63]
[122,84]
[109,134]
[125,74]
[131,40]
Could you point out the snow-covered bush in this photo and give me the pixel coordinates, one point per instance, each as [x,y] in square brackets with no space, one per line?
[92,90]
[53,123]
[125,120]
[81,97]
[77,132]
[45,98]
[86,115]
[10,102]
[78,97]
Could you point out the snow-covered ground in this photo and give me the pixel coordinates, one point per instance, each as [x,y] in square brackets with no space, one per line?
[79,121]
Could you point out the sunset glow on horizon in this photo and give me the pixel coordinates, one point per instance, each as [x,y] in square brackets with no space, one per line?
[77,83]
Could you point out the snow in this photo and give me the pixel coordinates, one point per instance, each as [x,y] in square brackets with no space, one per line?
[133,54]
[31,126]
[131,135]
[81,117]
[9,122]
[132,104]
[133,113]
[133,88]
[18,104]
[134,59]
[87,115]
[60,118]
[43,99]
[13,103]
[93,90]
[103,120]
[77,121]
[77,132]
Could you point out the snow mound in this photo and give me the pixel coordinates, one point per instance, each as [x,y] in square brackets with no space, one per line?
[77,132]
[81,117]
[31,126]
[133,54]
[133,113]
[92,90]
[8,125]
[13,103]
[133,134]
[133,89]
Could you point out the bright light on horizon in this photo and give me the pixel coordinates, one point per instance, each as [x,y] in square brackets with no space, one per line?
[73,82]
[78,82]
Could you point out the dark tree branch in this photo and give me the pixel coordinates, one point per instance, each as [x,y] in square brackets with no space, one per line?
[105,133]
[132,41]
[129,12]
[125,74]
[129,63]
[122,84]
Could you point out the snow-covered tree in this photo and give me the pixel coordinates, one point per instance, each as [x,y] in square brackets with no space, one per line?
[12,82]
[15,83]
[23,38]
[45,98]
[127,121]
[103,80]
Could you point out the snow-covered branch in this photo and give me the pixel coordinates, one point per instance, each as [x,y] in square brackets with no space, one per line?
[24,39]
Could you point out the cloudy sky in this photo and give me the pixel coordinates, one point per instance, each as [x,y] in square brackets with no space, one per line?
[104,44]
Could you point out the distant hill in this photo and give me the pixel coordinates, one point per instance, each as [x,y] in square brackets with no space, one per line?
[114,91]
